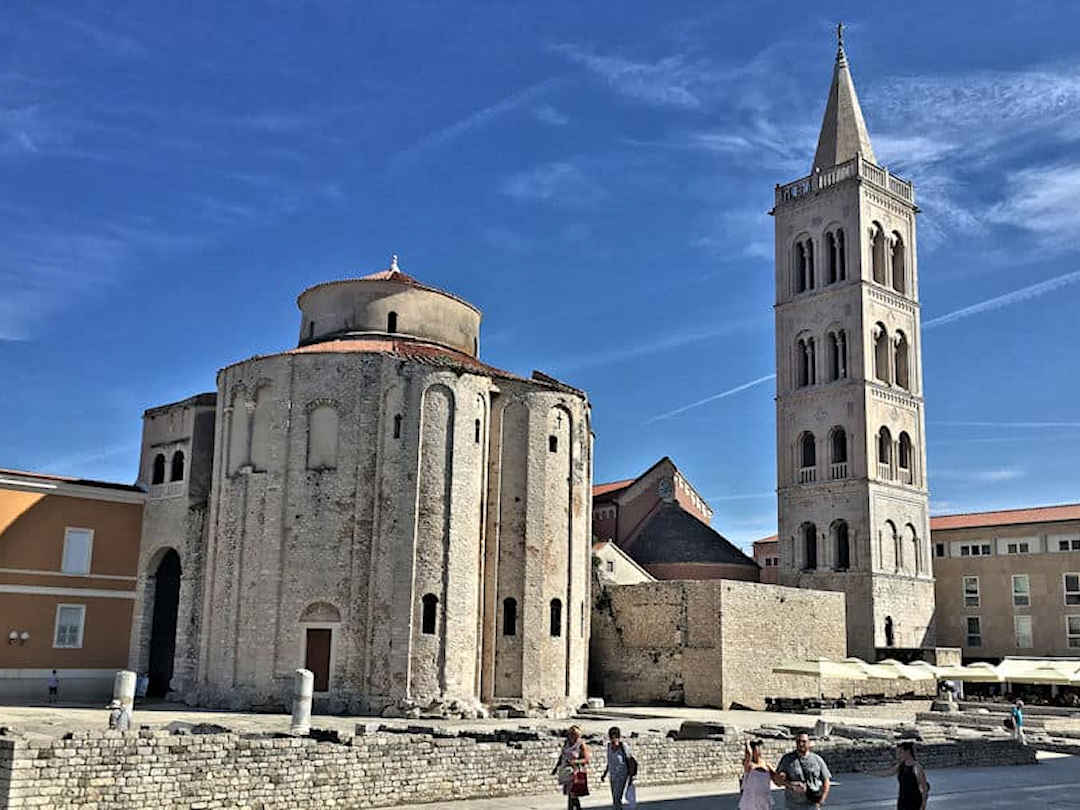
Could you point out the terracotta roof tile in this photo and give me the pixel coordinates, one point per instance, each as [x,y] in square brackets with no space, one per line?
[772,538]
[611,486]
[1007,517]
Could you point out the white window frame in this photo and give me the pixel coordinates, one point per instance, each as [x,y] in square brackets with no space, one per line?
[1069,636]
[968,634]
[1026,596]
[611,566]
[56,627]
[1017,621]
[964,592]
[1065,588]
[89,550]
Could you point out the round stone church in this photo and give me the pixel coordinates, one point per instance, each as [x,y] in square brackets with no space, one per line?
[378,506]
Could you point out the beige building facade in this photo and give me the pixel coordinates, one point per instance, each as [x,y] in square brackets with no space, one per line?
[68,553]
[767,556]
[851,461]
[382,508]
[1008,582]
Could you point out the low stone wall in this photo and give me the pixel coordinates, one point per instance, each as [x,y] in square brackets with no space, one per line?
[130,770]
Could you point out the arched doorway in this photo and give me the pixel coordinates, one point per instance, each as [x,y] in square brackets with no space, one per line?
[163,625]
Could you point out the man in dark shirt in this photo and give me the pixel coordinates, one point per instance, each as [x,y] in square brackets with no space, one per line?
[805,776]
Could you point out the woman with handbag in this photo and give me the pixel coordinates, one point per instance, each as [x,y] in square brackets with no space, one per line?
[572,768]
[621,767]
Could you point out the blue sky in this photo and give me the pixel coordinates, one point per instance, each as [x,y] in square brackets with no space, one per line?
[594,176]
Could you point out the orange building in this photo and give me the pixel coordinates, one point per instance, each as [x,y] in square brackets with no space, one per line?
[68,554]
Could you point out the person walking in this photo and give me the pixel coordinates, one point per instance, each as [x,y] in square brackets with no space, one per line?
[758,777]
[54,687]
[1018,722]
[618,766]
[571,768]
[804,775]
[913,789]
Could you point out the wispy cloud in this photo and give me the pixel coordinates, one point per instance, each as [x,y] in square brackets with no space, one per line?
[713,398]
[1006,300]
[749,496]
[1042,199]
[561,182]
[994,475]
[669,82]
[76,463]
[546,114]
[603,358]
[475,120]
[1020,425]
[106,39]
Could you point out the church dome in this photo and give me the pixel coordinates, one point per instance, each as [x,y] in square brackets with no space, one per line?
[388,302]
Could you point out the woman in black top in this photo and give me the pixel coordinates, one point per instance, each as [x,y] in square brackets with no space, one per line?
[914,789]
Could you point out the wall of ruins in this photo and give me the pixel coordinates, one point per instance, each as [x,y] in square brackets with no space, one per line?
[129,770]
[716,643]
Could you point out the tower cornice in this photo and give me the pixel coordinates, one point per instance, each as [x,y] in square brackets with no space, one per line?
[858,169]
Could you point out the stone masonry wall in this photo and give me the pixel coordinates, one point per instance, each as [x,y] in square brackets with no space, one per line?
[715,642]
[123,770]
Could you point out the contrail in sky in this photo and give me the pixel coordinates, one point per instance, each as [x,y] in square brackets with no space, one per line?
[1008,299]
[713,398]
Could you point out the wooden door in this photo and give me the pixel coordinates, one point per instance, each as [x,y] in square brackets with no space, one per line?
[317,656]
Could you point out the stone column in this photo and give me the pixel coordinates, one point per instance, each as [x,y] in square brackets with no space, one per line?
[124,689]
[303,687]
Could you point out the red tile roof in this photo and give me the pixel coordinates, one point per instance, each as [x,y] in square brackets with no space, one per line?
[611,486]
[772,538]
[432,354]
[1006,517]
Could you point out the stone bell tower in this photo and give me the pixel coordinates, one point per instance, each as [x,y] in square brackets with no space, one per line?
[851,450]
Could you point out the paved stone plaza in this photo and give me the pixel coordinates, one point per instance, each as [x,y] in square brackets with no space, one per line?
[1051,785]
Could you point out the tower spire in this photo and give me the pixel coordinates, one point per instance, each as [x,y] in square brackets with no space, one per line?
[843,130]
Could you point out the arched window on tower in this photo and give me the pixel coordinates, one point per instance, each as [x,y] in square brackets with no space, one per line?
[391,322]
[158,474]
[902,362]
[802,363]
[800,267]
[884,454]
[811,361]
[841,545]
[841,256]
[177,471]
[837,348]
[831,276]
[556,618]
[881,352]
[904,459]
[809,264]
[431,609]
[899,267]
[892,539]
[838,450]
[509,624]
[807,458]
[878,254]
[918,564]
[809,538]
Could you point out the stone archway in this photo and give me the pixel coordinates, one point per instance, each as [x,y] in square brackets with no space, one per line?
[163,624]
